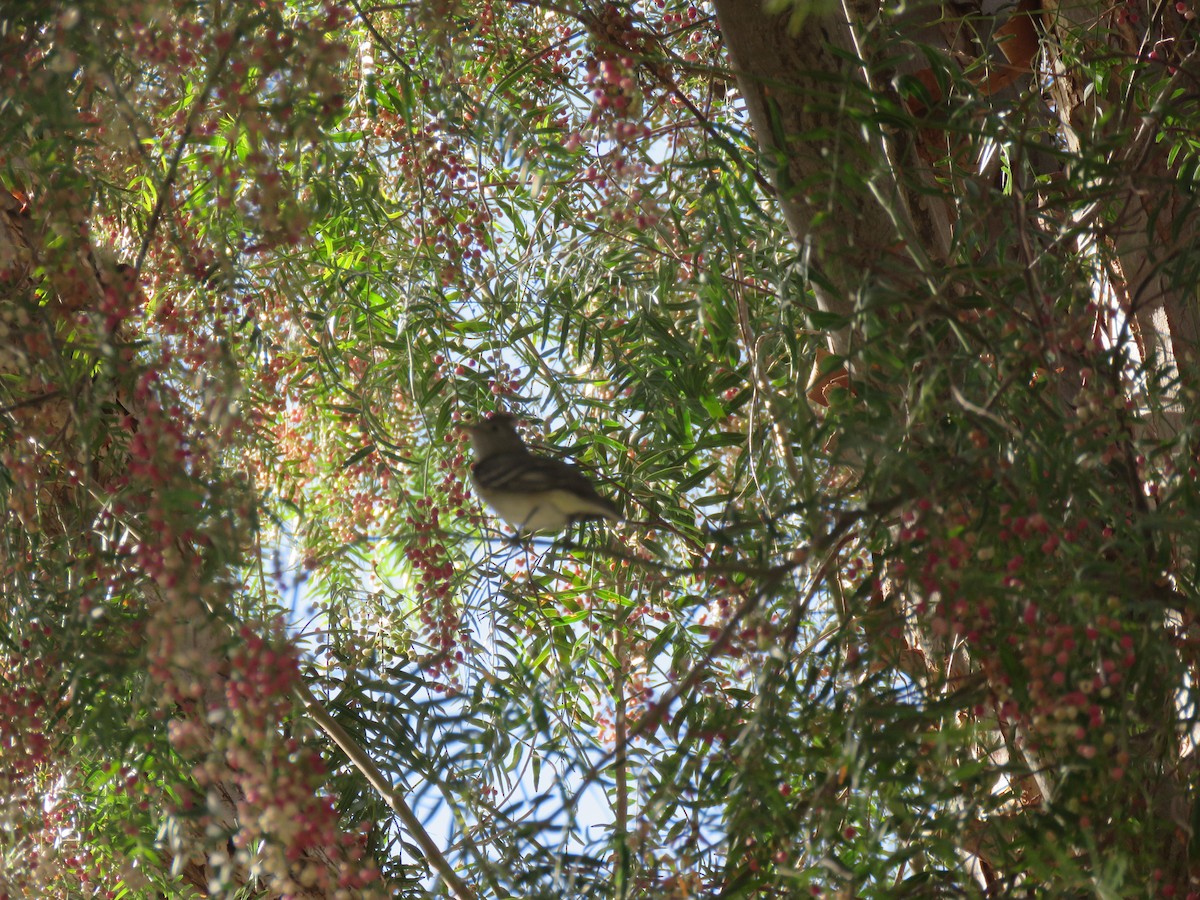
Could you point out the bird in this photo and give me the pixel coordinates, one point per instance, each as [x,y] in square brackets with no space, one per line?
[529,491]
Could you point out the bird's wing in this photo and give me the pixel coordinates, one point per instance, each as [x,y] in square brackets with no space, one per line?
[527,473]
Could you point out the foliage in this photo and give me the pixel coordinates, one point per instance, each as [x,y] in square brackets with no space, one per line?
[931,634]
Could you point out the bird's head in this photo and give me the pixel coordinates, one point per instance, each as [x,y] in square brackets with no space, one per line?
[495,434]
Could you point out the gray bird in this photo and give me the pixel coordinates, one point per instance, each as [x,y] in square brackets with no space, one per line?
[529,491]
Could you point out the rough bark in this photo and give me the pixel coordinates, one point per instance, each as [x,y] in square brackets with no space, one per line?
[1147,221]
[802,87]
[798,84]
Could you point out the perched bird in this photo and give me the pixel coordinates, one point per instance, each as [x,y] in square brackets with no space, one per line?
[528,491]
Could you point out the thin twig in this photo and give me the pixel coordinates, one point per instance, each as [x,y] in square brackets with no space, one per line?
[371,772]
[653,718]
[172,170]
